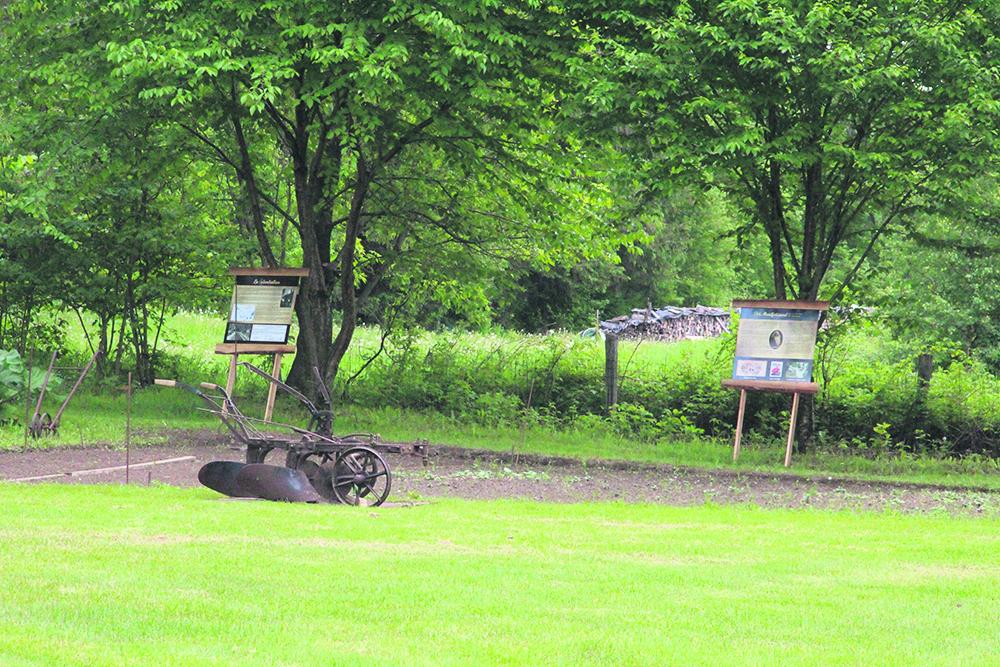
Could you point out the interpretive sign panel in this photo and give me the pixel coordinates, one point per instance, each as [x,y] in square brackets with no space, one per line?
[775,344]
[262,305]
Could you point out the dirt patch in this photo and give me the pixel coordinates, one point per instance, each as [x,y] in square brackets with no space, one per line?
[489,475]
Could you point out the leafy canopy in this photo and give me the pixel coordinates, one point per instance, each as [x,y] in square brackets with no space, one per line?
[832,123]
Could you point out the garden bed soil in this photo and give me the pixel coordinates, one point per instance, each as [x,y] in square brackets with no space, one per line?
[480,474]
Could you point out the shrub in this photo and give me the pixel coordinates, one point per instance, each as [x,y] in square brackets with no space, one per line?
[963,405]
[871,399]
[14,379]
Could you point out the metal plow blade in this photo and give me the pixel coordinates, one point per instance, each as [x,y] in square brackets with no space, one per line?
[221,476]
[261,480]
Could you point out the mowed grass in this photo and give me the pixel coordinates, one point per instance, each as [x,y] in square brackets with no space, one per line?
[164,576]
[99,418]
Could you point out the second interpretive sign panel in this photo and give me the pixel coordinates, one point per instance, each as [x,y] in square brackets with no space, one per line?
[775,343]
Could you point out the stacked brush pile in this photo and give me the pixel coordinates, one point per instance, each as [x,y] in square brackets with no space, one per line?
[669,323]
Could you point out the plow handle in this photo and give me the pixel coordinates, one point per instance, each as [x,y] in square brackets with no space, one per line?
[76,385]
[45,383]
[179,385]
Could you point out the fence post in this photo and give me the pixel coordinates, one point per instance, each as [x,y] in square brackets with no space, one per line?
[925,369]
[611,370]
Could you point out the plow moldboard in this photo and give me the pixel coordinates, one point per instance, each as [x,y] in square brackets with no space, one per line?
[221,476]
[261,480]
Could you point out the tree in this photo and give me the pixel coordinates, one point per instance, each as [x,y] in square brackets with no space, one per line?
[830,123]
[938,284]
[686,256]
[102,213]
[374,107]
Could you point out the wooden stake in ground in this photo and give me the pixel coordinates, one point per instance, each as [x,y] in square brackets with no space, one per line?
[611,370]
[524,423]
[128,425]
[739,424]
[230,380]
[27,399]
[791,429]
[272,388]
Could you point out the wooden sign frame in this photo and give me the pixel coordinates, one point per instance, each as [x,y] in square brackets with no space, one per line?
[795,388]
[278,350]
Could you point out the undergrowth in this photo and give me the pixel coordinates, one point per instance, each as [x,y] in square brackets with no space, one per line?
[871,406]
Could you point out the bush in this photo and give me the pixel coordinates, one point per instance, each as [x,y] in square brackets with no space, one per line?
[14,379]
[963,406]
[871,400]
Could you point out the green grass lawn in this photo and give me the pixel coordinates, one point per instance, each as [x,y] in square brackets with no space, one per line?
[403,425]
[162,576]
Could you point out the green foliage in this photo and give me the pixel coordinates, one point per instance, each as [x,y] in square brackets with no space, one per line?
[870,401]
[830,123]
[103,214]
[524,164]
[14,377]
[12,373]
[686,256]
[416,146]
[502,421]
[937,287]
[964,403]
[635,421]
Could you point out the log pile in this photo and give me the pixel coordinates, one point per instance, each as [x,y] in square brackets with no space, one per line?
[669,323]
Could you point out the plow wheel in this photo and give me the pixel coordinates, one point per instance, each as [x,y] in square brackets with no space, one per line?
[361,477]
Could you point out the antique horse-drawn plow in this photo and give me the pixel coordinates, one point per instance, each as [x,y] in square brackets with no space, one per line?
[319,466]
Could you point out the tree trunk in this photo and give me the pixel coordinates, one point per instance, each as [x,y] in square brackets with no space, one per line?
[773,230]
[313,309]
[806,436]
[348,294]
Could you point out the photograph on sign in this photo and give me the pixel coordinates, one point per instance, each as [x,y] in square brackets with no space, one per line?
[238,332]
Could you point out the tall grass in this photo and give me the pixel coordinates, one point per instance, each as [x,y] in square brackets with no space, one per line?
[511,381]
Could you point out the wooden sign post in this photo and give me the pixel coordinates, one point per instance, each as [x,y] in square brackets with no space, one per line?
[774,352]
[260,319]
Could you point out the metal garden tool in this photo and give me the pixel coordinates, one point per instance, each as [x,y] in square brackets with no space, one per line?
[43,424]
[221,476]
